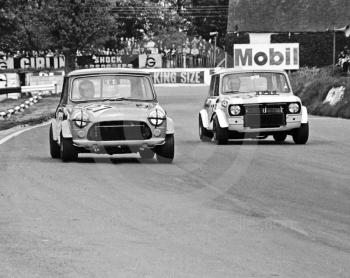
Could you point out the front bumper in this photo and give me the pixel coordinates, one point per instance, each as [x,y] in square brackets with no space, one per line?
[88,144]
[237,124]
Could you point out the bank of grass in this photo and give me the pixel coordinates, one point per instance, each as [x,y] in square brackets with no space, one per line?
[35,114]
[312,86]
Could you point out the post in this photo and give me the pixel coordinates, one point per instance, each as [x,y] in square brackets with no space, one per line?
[333,50]
[215,51]
[7,95]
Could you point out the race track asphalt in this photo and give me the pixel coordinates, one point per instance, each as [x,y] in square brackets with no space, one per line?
[246,209]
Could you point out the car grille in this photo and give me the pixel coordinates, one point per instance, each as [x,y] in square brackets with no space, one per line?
[119,131]
[264,115]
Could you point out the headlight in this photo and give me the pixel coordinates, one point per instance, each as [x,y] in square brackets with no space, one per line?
[235,110]
[80,119]
[294,108]
[156,117]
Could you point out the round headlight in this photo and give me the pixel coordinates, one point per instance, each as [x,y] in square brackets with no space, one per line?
[293,108]
[80,119]
[156,117]
[235,110]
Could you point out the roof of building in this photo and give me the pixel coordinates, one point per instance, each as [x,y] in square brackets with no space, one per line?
[268,16]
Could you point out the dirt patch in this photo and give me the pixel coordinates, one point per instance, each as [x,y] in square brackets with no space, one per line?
[37,113]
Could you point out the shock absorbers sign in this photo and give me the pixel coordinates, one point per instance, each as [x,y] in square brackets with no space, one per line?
[267,56]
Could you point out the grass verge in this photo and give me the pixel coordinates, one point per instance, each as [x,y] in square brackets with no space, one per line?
[312,86]
[39,112]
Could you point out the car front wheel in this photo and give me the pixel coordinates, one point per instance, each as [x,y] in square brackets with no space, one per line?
[220,134]
[54,147]
[301,135]
[68,150]
[204,134]
[165,152]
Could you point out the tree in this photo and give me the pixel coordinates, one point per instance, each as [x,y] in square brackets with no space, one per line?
[208,16]
[78,25]
[7,23]
[65,25]
[140,18]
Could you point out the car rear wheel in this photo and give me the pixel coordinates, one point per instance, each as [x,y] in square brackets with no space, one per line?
[301,135]
[220,134]
[68,151]
[204,134]
[280,137]
[54,147]
[165,152]
[146,154]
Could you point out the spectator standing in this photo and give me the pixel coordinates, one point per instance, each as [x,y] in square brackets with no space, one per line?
[200,53]
[186,53]
[173,55]
[344,59]
[194,42]
[136,49]
[167,56]
[205,52]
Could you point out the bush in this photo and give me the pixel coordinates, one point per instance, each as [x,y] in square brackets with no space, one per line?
[312,86]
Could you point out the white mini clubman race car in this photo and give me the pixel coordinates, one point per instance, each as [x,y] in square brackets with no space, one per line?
[252,104]
[110,111]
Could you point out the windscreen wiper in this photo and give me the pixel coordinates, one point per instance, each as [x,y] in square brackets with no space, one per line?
[115,99]
[232,91]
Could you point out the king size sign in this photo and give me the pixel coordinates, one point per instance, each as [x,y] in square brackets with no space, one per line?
[266,56]
[180,77]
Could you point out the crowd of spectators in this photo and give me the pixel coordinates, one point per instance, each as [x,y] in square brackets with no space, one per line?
[26,53]
[188,52]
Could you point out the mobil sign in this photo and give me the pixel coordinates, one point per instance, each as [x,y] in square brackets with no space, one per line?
[267,56]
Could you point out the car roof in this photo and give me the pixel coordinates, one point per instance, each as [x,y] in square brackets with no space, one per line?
[107,71]
[238,70]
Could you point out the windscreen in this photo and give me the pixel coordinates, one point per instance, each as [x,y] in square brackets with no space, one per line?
[111,87]
[255,82]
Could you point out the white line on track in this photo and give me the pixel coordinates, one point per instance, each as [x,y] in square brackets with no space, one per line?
[12,135]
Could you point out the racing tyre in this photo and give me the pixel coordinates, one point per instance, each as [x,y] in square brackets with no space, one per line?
[165,152]
[68,150]
[301,135]
[146,154]
[204,134]
[54,147]
[220,134]
[280,137]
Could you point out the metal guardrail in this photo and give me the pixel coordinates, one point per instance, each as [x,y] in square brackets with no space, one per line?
[10,90]
[40,88]
[29,89]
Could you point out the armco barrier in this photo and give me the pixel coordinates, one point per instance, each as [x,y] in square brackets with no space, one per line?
[10,90]
[40,88]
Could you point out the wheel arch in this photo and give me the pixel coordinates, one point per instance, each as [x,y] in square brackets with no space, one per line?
[170,127]
[205,119]
[221,118]
[65,129]
[304,115]
[55,130]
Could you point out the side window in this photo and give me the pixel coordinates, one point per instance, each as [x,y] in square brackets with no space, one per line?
[216,86]
[64,94]
[212,84]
